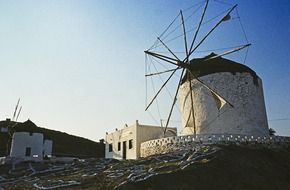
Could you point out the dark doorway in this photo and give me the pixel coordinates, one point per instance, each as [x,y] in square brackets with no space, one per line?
[124,150]
[28,151]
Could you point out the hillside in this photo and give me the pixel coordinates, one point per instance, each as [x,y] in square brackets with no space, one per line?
[230,168]
[226,167]
[63,143]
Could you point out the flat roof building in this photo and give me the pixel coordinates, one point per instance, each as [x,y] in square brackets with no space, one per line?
[125,143]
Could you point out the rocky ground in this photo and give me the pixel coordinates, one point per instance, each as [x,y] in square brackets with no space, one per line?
[205,166]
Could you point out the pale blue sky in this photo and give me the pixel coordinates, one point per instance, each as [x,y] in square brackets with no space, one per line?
[78,66]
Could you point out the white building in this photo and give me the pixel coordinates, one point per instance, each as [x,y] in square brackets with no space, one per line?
[30,146]
[236,83]
[125,143]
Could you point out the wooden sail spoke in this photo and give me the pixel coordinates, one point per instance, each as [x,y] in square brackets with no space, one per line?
[199,25]
[162,72]
[184,34]
[16,107]
[174,100]
[160,90]
[163,57]
[191,103]
[205,37]
[168,49]
[228,52]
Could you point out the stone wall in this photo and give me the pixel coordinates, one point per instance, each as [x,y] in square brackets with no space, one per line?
[169,144]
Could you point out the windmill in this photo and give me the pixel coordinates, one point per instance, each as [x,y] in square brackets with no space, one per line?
[12,124]
[184,64]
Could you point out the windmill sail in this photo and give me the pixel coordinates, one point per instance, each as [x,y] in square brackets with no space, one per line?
[220,102]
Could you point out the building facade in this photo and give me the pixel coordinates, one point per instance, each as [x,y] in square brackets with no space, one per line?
[125,143]
[30,146]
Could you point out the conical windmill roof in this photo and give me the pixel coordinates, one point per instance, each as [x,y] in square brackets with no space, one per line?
[205,66]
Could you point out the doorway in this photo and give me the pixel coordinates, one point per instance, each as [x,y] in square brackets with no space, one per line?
[124,150]
[28,151]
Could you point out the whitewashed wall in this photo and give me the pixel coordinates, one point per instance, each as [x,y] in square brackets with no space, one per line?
[22,140]
[247,117]
[138,133]
[47,148]
[122,135]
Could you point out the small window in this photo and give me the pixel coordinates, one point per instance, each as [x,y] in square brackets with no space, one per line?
[119,146]
[130,143]
[28,151]
[110,147]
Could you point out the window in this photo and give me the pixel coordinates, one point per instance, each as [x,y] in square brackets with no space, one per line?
[119,146]
[28,151]
[130,143]
[110,147]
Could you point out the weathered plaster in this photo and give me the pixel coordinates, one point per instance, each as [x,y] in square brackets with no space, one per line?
[246,117]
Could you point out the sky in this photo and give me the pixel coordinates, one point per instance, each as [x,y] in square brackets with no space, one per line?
[78,66]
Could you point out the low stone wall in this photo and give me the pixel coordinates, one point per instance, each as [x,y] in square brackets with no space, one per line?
[169,144]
